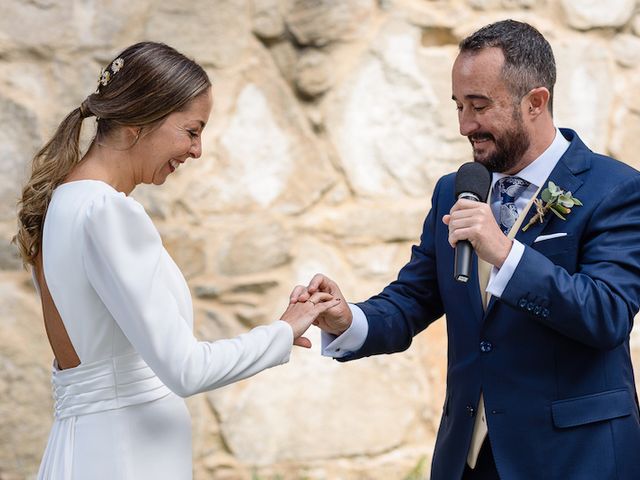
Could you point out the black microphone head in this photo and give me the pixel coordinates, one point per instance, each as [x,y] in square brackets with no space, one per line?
[473,177]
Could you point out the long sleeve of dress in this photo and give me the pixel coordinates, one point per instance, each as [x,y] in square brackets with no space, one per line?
[126,265]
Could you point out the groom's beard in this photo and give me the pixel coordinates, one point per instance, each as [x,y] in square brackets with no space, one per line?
[509,147]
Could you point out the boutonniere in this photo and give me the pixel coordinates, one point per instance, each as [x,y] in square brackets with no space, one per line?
[554,200]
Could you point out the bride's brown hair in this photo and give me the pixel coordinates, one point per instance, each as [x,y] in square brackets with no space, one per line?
[142,86]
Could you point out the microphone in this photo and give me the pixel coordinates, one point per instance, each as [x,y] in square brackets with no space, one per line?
[473,182]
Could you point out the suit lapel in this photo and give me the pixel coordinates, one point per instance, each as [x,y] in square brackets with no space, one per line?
[564,178]
[564,175]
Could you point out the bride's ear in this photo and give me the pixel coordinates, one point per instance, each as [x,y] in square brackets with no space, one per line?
[133,134]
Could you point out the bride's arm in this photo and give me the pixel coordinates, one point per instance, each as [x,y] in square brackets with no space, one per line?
[123,255]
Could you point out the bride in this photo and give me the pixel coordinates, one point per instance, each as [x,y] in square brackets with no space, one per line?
[117,309]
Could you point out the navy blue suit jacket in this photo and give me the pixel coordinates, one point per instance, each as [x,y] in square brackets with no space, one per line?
[552,354]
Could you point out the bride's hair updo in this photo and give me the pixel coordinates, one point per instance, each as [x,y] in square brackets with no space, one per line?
[140,87]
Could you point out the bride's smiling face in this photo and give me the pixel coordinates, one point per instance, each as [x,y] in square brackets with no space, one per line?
[177,139]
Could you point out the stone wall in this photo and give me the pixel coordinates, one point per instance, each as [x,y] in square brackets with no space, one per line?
[332,122]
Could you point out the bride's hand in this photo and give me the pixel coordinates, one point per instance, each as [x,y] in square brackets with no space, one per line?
[301,315]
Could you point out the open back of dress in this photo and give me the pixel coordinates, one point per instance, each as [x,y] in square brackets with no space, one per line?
[66,356]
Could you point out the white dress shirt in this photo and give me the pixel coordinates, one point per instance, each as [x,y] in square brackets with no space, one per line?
[535,173]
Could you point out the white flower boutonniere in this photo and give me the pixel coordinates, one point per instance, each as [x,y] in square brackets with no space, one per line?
[555,200]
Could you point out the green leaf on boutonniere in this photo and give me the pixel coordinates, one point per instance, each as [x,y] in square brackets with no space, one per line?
[553,189]
[555,200]
[546,196]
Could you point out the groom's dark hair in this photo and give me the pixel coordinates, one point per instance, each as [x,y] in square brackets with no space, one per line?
[528,58]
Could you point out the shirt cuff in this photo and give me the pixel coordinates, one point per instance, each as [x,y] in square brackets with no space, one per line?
[351,340]
[500,276]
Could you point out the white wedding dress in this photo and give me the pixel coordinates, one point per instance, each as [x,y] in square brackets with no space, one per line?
[128,313]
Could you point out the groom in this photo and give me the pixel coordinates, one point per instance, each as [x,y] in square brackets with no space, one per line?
[539,382]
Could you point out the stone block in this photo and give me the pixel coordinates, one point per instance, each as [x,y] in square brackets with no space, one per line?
[257,248]
[396,147]
[319,22]
[186,25]
[9,254]
[586,14]
[18,144]
[312,73]
[267,155]
[26,409]
[187,250]
[268,20]
[583,97]
[377,419]
[626,50]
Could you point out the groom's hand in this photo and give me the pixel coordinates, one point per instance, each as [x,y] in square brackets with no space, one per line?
[301,315]
[474,221]
[337,319]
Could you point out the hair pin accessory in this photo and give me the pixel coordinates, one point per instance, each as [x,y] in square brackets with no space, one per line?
[107,74]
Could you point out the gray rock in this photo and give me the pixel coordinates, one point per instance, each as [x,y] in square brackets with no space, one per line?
[626,50]
[397,147]
[256,248]
[268,155]
[522,3]
[369,223]
[313,74]
[484,4]
[583,96]
[255,287]
[9,256]
[285,56]
[268,21]
[218,288]
[635,25]
[185,25]
[207,291]
[187,250]
[26,409]
[17,145]
[586,14]
[625,140]
[319,22]
[326,387]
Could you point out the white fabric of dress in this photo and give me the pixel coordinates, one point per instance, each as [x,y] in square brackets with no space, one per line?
[128,312]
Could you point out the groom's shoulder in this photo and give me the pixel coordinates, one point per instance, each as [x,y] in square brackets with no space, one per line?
[446,183]
[602,168]
[611,169]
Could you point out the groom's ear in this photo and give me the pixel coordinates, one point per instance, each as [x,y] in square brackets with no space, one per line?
[536,101]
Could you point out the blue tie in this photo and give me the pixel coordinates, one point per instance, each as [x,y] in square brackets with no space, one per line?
[509,189]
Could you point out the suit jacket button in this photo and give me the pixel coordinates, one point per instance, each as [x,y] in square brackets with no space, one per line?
[545,312]
[537,310]
[485,347]
[530,306]
[522,303]
[471,411]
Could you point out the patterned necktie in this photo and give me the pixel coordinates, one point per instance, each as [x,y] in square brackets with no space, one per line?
[509,189]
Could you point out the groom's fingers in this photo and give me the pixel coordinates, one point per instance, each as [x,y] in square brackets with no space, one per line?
[319,282]
[324,306]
